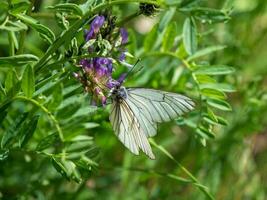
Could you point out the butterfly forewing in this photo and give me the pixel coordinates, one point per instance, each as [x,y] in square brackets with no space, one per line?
[163,106]
[135,117]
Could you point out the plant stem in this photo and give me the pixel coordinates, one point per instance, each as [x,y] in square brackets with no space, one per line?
[11,44]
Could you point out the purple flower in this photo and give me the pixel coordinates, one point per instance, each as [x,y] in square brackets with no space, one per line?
[111,83]
[124,35]
[103,66]
[122,56]
[96,24]
[122,78]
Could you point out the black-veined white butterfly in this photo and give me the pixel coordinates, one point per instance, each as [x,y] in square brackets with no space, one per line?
[135,113]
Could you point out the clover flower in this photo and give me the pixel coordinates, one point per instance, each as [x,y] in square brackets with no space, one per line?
[96,73]
[124,40]
[96,24]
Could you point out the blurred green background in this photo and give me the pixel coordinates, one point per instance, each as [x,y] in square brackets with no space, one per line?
[233,165]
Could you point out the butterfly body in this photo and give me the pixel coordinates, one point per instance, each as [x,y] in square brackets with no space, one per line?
[118,93]
[135,113]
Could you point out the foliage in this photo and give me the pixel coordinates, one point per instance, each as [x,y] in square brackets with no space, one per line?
[55,144]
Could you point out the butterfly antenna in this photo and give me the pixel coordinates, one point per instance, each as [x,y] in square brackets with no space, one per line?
[131,70]
[142,67]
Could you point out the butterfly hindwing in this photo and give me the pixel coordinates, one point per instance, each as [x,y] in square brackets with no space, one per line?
[128,129]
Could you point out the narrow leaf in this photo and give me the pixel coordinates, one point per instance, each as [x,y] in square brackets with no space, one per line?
[165,20]
[47,142]
[214,70]
[207,14]
[204,132]
[213,93]
[68,7]
[205,52]
[28,131]
[169,37]
[13,130]
[17,60]
[44,31]
[218,86]
[150,39]
[219,104]
[27,82]
[4,154]
[190,36]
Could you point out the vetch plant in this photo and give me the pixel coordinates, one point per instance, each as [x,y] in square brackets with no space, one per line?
[58,78]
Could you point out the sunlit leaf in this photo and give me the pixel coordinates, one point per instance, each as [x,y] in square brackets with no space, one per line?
[27,82]
[190,36]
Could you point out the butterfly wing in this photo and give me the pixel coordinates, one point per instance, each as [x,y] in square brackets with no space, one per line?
[135,118]
[128,129]
[161,106]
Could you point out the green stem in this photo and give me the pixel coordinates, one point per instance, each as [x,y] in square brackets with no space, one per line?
[23,33]
[203,188]
[51,16]
[128,18]
[49,114]
[11,44]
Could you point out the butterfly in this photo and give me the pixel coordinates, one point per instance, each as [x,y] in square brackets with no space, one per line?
[135,113]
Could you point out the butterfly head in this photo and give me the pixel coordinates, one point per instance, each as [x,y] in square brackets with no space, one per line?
[118,93]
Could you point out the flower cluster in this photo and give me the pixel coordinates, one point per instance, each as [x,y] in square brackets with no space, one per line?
[96,73]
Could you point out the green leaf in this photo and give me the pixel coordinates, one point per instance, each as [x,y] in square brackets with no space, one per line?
[222,121]
[3,115]
[67,111]
[219,104]
[133,43]
[17,60]
[12,84]
[151,39]
[214,70]
[14,39]
[213,93]
[2,92]
[186,3]
[13,26]
[165,20]
[11,79]
[28,130]
[204,132]
[67,169]
[190,36]
[225,87]
[60,167]
[80,143]
[13,130]
[207,14]
[19,6]
[203,79]
[218,120]
[205,52]
[47,142]
[169,36]
[57,97]
[4,105]
[44,31]
[68,8]
[27,82]
[4,154]
[86,163]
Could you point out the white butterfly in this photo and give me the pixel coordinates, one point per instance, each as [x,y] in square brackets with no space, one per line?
[135,113]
